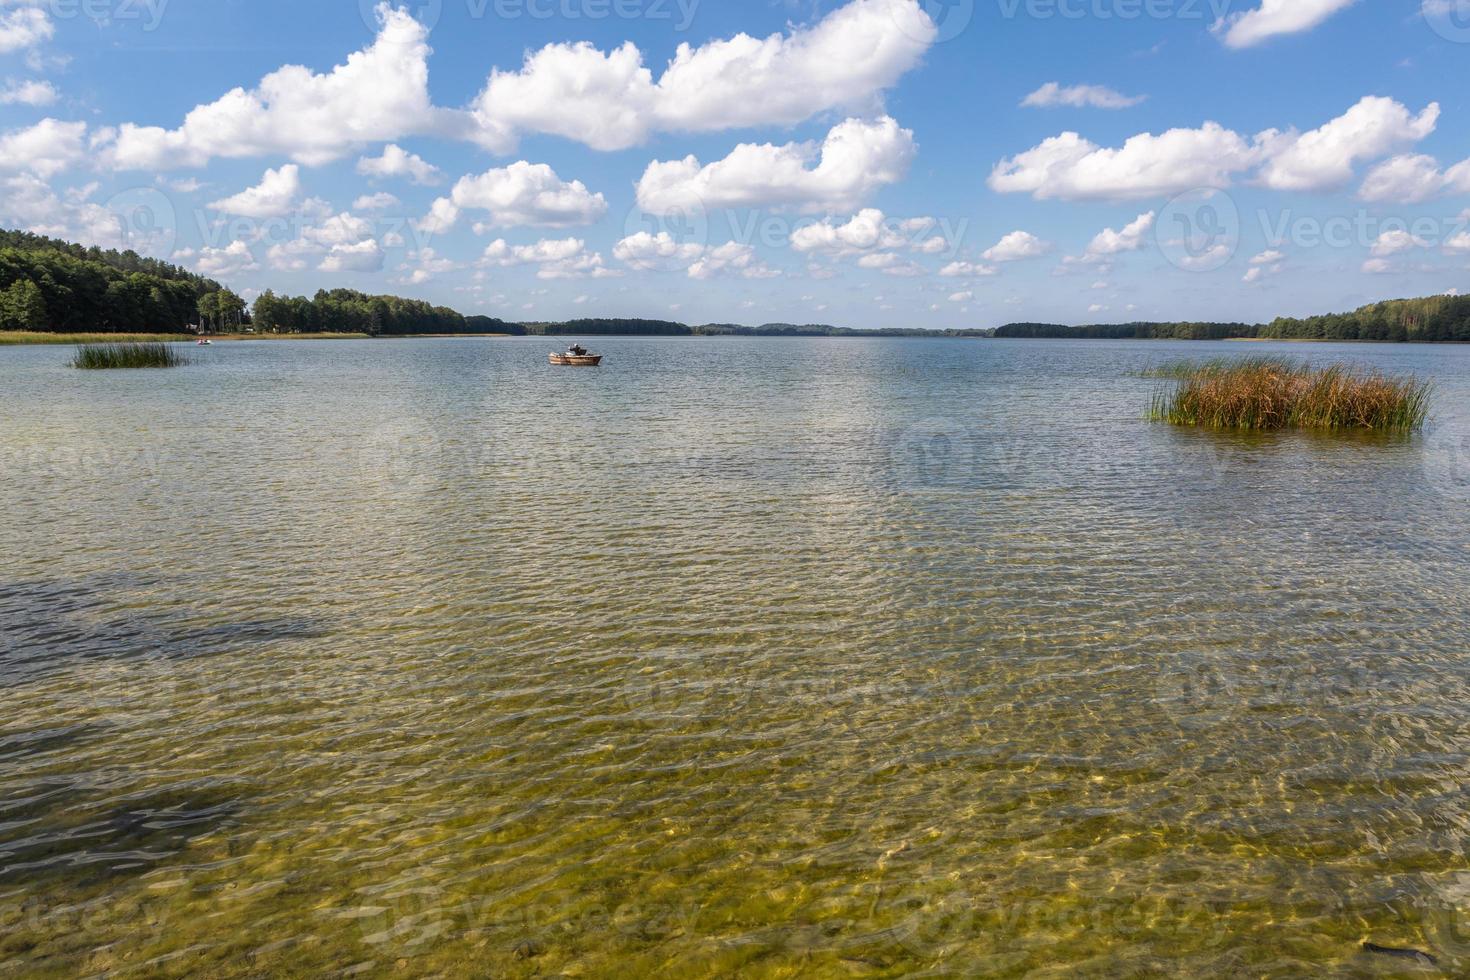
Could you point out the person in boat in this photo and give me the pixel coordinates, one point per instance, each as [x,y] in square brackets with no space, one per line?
[577,350]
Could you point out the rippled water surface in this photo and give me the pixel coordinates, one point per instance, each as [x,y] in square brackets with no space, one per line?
[769,657]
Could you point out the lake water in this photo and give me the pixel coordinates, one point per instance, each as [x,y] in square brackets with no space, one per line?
[769,657]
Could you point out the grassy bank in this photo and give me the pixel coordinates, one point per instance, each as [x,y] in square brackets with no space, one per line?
[102,357]
[10,337]
[1267,394]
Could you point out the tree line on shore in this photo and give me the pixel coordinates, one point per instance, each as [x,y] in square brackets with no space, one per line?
[350,311]
[1432,319]
[60,287]
[604,327]
[54,286]
[1127,331]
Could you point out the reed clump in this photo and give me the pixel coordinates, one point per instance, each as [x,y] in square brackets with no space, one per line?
[99,357]
[1266,394]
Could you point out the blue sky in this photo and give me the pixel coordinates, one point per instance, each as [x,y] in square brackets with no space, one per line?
[869,163]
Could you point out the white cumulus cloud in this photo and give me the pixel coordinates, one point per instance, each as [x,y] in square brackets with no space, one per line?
[31,93]
[1414,179]
[380,93]
[610,101]
[273,197]
[24,27]
[607,100]
[1054,95]
[1016,246]
[869,229]
[565,258]
[30,203]
[340,243]
[522,194]
[376,202]
[363,256]
[1070,167]
[967,270]
[1264,265]
[398,162]
[1324,158]
[733,259]
[423,265]
[46,149]
[232,260]
[1395,241]
[856,159]
[645,251]
[1276,17]
[1132,238]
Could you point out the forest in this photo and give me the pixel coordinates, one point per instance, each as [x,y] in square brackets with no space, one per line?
[1432,319]
[1129,331]
[55,286]
[59,287]
[349,311]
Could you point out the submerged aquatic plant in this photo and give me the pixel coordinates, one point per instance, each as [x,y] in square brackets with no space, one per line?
[96,357]
[1266,394]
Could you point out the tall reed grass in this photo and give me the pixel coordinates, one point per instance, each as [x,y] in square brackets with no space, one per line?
[97,357]
[1265,394]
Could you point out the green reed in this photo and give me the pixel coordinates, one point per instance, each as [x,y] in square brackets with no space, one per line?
[97,357]
[1266,394]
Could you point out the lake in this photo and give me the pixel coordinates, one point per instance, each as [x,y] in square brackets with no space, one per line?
[757,656]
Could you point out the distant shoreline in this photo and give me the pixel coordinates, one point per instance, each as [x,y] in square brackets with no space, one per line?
[12,338]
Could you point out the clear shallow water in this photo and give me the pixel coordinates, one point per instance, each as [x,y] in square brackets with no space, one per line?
[777,657]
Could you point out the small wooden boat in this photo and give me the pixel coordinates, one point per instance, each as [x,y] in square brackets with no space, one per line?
[576,360]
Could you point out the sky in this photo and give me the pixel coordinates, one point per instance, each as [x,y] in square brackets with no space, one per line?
[866,163]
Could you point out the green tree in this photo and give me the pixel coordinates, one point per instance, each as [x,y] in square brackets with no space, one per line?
[268,311]
[209,311]
[23,307]
[378,316]
[230,309]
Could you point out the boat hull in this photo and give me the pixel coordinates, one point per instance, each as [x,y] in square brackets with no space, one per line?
[572,360]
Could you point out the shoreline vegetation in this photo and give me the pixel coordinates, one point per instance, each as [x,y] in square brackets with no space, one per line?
[14,338]
[1268,394]
[102,357]
[51,288]
[1432,319]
